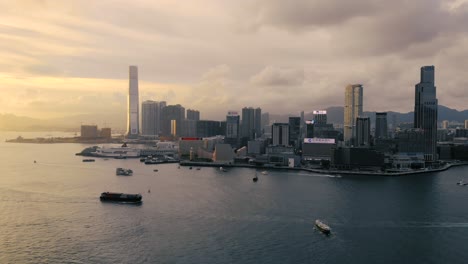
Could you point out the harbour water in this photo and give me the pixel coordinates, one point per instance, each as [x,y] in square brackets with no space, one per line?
[50,213]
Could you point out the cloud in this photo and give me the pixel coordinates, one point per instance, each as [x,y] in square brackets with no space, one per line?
[216,56]
[271,76]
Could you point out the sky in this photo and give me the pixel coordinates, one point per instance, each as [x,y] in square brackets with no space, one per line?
[65,57]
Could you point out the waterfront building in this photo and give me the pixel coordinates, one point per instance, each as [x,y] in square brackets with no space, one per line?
[309,133]
[208,128]
[280,134]
[320,116]
[258,123]
[362,131]
[410,141]
[265,120]
[352,110]
[189,128]
[425,112]
[466,124]
[133,118]
[295,131]
[381,129]
[357,158]
[193,114]
[223,154]
[151,117]
[232,129]
[317,148]
[171,119]
[106,133]
[89,131]
[251,123]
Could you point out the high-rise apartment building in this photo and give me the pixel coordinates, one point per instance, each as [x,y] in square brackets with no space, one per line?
[193,115]
[232,129]
[133,104]
[320,117]
[151,117]
[352,110]
[251,122]
[381,125]
[280,134]
[425,111]
[171,119]
[258,122]
[362,131]
[295,131]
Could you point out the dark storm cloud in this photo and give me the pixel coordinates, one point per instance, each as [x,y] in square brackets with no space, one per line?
[366,27]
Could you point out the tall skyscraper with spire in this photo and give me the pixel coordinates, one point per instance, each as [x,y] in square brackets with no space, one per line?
[352,110]
[425,111]
[133,128]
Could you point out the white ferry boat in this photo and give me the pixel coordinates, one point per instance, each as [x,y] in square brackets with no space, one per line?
[116,152]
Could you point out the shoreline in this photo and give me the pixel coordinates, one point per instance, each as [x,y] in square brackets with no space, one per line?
[322,171]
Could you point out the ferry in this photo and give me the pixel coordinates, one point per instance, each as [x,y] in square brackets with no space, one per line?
[116,152]
[322,227]
[120,197]
[123,172]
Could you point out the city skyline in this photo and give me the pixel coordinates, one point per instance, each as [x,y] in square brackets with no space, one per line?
[274,56]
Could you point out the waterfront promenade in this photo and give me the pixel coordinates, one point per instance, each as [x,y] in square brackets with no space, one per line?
[325,171]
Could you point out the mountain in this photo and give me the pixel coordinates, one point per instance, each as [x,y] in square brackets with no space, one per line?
[335,115]
[10,122]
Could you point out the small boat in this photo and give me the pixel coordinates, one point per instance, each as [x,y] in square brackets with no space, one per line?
[88,160]
[322,227]
[255,179]
[123,172]
[264,172]
[222,169]
[155,170]
[120,157]
[198,168]
[461,183]
[120,197]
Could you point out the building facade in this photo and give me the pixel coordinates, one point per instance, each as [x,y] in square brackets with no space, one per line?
[193,114]
[171,120]
[381,127]
[295,131]
[232,129]
[362,132]
[425,112]
[280,134]
[352,110]
[133,118]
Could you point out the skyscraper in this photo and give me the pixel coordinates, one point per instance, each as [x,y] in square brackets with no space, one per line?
[193,114]
[251,122]
[133,110]
[352,110]
[149,110]
[362,131]
[232,129]
[425,111]
[171,119]
[381,127]
[280,134]
[151,117]
[294,131]
[320,116]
